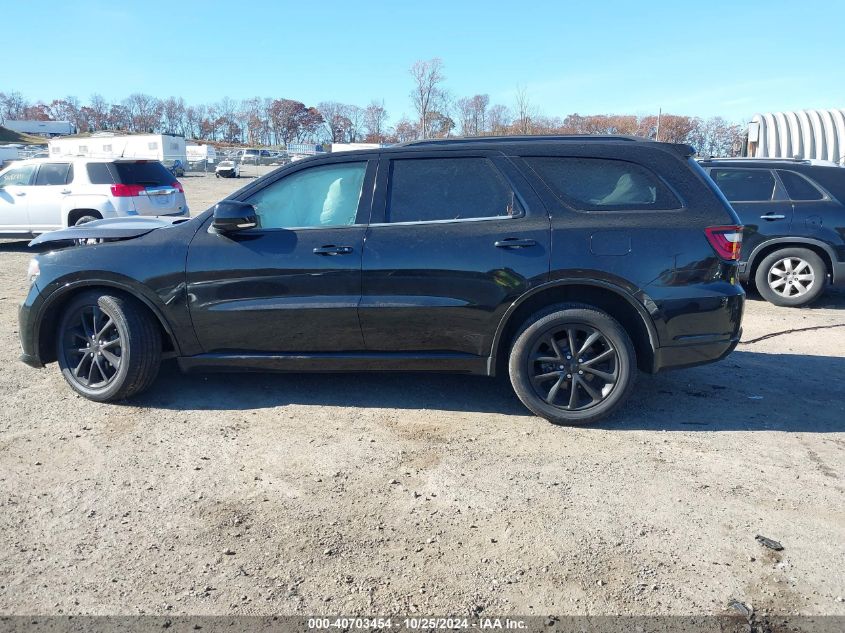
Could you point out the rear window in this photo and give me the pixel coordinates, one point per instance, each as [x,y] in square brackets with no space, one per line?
[53,174]
[597,184]
[798,187]
[745,185]
[151,174]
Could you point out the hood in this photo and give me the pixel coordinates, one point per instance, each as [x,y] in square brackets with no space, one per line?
[109,229]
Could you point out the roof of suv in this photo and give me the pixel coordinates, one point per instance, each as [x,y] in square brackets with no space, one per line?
[77,159]
[766,162]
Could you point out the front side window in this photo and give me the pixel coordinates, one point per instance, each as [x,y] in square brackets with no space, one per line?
[52,174]
[432,189]
[321,196]
[745,185]
[20,176]
[798,187]
[597,184]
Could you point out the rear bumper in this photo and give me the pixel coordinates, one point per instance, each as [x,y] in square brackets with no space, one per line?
[680,356]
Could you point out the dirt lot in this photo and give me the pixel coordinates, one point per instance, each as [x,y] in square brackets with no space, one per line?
[378,494]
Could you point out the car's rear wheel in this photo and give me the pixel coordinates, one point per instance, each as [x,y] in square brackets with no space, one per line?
[572,364]
[85,219]
[108,346]
[791,277]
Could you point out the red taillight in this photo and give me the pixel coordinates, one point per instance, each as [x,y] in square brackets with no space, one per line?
[126,191]
[725,240]
[178,187]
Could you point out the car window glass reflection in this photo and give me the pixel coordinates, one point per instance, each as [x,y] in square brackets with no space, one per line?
[320,196]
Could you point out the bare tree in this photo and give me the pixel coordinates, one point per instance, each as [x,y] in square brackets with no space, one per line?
[375,121]
[524,111]
[472,114]
[428,77]
[499,120]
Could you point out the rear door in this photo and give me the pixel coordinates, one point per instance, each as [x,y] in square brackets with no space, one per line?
[759,200]
[455,238]
[14,199]
[51,186]
[811,206]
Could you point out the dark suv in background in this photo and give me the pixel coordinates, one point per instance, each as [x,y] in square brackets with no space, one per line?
[566,262]
[794,217]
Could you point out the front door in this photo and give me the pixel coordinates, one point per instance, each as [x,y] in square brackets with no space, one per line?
[455,238]
[760,202]
[14,200]
[292,284]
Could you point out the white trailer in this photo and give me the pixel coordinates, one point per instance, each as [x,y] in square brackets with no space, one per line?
[809,134]
[42,128]
[201,157]
[166,148]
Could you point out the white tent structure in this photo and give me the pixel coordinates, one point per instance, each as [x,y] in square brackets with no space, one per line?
[810,134]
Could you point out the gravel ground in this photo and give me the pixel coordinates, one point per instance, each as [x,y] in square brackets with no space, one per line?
[379,494]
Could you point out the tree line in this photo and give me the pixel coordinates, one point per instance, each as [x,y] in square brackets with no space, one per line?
[438,114]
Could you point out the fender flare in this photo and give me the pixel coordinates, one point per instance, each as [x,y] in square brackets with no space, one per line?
[640,308]
[752,258]
[127,288]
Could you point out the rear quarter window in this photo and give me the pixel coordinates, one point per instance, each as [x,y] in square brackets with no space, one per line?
[598,184]
[99,174]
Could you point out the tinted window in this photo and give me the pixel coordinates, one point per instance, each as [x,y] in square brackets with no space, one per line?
[99,174]
[595,184]
[426,189]
[17,176]
[745,185]
[150,173]
[319,196]
[798,187]
[52,174]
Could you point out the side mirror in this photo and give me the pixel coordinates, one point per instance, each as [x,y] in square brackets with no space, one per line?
[231,216]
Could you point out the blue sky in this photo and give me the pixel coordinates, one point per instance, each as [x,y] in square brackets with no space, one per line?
[592,57]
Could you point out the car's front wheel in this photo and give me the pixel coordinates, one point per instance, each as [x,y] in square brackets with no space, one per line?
[572,364]
[108,346]
[791,277]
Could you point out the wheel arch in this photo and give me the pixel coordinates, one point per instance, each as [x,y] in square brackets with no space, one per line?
[766,248]
[614,300]
[50,312]
[77,212]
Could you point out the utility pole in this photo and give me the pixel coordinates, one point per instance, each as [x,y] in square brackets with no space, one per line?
[659,114]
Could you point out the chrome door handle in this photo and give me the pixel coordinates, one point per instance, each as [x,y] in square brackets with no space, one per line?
[20,193]
[65,191]
[513,242]
[773,216]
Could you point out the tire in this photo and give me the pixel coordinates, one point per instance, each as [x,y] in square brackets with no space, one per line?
[85,219]
[132,337]
[796,267]
[546,335]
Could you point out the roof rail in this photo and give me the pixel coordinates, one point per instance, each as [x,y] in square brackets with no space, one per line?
[523,138]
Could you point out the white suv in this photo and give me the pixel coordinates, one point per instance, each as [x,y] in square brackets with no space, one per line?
[44,194]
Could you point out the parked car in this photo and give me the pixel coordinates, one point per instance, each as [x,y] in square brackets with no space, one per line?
[794,217]
[38,195]
[227,169]
[565,262]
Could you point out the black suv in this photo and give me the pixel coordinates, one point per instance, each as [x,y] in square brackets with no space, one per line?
[794,217]
[566,262]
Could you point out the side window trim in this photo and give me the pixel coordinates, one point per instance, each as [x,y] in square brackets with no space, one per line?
[364,201]
[385,182]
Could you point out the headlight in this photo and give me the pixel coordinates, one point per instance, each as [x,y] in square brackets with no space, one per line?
[33,270]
